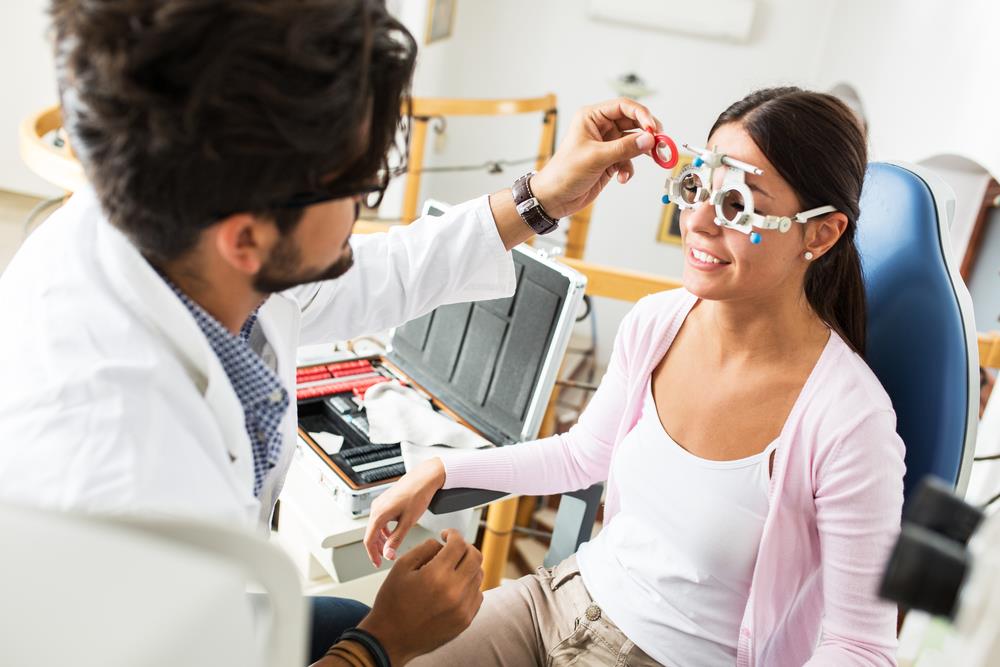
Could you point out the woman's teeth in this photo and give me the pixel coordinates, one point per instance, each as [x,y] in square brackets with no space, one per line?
[705,257]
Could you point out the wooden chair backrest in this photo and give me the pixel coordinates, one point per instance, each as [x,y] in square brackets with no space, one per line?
[425,109]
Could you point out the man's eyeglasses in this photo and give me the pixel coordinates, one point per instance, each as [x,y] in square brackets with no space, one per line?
[369,195]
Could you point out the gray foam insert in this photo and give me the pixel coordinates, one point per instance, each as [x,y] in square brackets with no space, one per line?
[484,359]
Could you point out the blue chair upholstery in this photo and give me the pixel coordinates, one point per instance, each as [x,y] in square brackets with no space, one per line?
[921,332]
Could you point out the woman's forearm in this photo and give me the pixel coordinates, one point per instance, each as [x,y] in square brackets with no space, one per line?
[541,467]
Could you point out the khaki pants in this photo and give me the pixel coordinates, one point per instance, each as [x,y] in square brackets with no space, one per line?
[546,619]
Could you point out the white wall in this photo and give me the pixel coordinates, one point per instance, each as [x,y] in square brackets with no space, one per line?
[926,71]
[28,84]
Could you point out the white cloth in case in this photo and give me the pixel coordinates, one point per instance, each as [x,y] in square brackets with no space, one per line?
[400,414]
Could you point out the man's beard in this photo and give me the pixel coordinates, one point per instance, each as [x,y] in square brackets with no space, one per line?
[279,273]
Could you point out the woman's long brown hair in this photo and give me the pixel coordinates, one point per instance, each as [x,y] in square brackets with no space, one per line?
[818,146]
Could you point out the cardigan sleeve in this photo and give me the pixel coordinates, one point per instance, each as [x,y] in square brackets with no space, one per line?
[859,499]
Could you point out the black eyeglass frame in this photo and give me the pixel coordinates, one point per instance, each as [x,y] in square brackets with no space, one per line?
[304,199]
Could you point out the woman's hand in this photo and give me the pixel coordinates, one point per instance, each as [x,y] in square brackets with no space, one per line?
[430,596]
[594,149]
[404,503]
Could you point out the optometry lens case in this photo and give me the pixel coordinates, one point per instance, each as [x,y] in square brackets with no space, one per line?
[489,365]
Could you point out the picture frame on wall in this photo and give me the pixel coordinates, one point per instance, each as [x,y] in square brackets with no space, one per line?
[670,219]
[440,19]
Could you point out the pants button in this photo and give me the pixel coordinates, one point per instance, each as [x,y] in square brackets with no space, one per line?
[593,612]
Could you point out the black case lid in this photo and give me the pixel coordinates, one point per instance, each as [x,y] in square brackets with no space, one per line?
[484,359]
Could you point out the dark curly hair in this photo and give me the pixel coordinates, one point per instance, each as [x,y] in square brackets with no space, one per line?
[819,147]
[182,111]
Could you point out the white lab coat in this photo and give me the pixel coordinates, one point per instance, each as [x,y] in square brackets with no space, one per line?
[112,400]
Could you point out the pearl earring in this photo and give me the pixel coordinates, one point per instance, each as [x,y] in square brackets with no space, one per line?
[808,256]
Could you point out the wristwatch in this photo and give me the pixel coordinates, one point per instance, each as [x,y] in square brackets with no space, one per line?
[529,208]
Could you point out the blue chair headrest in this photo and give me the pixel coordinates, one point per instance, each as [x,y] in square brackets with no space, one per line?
[919,322]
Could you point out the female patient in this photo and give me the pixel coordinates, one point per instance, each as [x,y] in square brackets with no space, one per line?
[754,475]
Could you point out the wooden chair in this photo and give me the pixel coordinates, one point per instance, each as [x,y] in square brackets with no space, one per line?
[426,109]
[989,349]
[57,165]
[423,110]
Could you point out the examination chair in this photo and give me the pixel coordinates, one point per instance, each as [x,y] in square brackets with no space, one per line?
[921,332]
[921,342]
[113,592]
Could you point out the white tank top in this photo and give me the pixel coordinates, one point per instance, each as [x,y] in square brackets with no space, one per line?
[672,569]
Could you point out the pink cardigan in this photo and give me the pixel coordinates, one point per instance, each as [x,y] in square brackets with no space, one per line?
[835,498]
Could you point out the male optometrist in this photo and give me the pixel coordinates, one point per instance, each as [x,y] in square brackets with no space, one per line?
[147,353]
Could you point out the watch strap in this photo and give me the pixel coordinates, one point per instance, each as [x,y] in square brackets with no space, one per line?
[529,208]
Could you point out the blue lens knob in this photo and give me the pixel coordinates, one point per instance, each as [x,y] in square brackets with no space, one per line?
[754,237]
[665,199]
[698,162]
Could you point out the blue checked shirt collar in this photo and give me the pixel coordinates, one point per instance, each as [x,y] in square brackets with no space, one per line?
[258,388]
